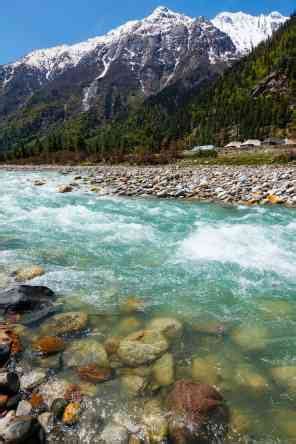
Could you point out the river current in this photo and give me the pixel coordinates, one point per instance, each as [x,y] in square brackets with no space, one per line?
[227,269]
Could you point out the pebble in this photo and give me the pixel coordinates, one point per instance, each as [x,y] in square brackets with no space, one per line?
[24,408]
[71,413]
[32,379]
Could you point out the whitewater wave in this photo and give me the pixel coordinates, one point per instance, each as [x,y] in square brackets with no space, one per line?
[250,246]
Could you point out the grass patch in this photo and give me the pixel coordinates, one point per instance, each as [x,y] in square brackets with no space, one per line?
[251,158]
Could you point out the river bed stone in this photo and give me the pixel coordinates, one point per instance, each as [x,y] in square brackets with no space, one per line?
[65,323]
[85,352]
[142,347]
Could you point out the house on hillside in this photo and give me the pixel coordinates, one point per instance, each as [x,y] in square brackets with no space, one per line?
[234,144]
[274,141]
[251,143]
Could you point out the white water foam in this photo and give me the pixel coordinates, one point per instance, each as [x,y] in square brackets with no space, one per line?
[249,246]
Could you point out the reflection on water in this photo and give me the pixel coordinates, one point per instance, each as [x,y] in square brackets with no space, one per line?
[226,274]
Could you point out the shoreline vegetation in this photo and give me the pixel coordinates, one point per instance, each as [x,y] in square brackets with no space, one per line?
[226,184]
[173,154]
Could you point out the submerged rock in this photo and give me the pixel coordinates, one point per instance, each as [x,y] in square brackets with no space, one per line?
[206,370]
[39,183]
[251,337]
[94,374]
[111,344]
[49,345]
[25,297]
[197,413]
[169,327]
[36,401]
[251,379]
[28,273]
[71,413]
[88,389]
[133,385]
[284,422]
[163,370]
[15,429]
[132,305]
[142,347]
[53,362]
[24,408]
[86,352]
[65,189]
[127,326]
[240,422]
[33,303]
[277,309]
[285,377]
[33,379]
[65,323]
[210,327]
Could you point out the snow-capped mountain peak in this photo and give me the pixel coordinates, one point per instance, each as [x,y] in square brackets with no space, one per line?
[247,31]
[138,58]
[163,14]
[57,58]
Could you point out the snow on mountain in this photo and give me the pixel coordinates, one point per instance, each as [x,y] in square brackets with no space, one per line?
[162,20]
[247,31]
[141,57]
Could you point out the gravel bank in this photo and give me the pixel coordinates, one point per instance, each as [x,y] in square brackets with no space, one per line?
[228,184]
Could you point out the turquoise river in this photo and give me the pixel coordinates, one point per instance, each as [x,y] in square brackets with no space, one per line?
[229,270]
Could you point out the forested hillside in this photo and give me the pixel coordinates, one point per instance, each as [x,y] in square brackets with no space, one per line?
[254,98]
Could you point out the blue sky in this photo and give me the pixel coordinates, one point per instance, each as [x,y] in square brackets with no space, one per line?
[29,24]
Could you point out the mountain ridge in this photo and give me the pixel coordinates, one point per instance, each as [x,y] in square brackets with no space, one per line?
[108,75]
[247,31]
[76,51]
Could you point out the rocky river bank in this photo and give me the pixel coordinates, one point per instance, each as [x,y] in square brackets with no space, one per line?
[227,184]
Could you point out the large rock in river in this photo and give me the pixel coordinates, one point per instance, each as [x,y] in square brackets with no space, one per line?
[163,370]
[32,302]
[86,352]
[142,347]
[28,273]
[197,414]
[65,323]
[25,297]
[20,429]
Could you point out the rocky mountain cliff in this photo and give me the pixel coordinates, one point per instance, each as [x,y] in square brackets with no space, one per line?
[111,73]
[145,56]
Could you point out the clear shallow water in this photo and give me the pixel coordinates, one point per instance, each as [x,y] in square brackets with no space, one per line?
[201,263]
